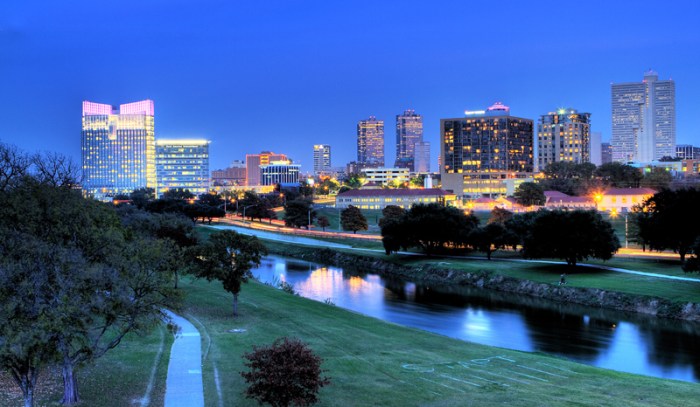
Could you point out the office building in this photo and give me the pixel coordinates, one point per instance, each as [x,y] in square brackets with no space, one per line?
[233,175]
[253,163]
[422,157]
[402,197]
[687,152]
[595,147]
[409,131]
[322,158]
[118,148]
[486,153]
[386,176]
[563,135]
[644,119]
[279,172]
[606,153]
[370,143]
[182,164]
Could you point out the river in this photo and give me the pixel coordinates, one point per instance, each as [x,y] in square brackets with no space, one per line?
[609,339]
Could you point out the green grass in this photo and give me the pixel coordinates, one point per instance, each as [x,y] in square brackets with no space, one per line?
[117,379]
[333,215]
[371,362]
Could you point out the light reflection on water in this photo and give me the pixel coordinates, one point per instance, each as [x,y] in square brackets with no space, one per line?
[612,340]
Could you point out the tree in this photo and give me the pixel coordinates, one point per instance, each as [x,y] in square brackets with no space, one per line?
[391,213]
[500,215]
[567,177]
[518,227]
[14,164]
[56,170]
[489,238]
[693,263]
[657,178]
[529,194]
[570,235]
[100,282]
[177,193]
[142,196]
[351,218]
[212,199]
[619,175]
[287,373]
[298,213]
[323,222]
[669,220]
[229,257]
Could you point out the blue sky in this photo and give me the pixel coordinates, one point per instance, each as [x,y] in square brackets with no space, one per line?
[284,75]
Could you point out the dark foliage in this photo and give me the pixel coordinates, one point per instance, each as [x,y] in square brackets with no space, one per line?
[529,194]
[351,218]
[298,213]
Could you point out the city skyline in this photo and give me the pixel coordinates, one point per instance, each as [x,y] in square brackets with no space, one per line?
[218,70]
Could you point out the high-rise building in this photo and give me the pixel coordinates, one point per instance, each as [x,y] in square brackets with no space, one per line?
[409,131]
[233,175]
[182,164]
[253,163]
[370,142]
[595,148]
[322,158]
[563,135]
[422,157]
[644,119]
[279,172]
[118,148]
[486,153]
[606,153]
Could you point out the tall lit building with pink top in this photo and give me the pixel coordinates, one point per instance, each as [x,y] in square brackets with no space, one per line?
[118,148]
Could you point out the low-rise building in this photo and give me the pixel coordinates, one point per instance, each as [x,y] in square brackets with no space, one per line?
[622,199]
[560,200]
[381,198]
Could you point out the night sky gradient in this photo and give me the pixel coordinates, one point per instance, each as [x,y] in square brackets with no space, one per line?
[284,75]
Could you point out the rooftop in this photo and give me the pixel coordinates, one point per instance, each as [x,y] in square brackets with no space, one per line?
[393,192]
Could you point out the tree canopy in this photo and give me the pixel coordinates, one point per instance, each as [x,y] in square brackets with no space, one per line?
[351,218]
[298,213]
[529,194]
[570,235]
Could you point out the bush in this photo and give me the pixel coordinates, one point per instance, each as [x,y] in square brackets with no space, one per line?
[287,373]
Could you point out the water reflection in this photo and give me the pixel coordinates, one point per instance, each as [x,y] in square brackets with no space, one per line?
[613,340]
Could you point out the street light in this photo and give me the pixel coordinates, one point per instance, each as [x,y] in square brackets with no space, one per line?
[246,207]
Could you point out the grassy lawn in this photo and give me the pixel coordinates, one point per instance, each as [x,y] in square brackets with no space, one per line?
[372,362]
[120,378]
[333,215]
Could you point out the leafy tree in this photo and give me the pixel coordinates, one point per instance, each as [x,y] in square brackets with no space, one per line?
[417,181]
[327,186]
[287,373]
[429,227]
[500,215]
[619,175]
[669,220]
[177,193]
[518,227]
[229,257]
[529,194]
[298,213]
[657,178]
[570,235]
[214,200]
[354,181]
[568,177]
[351,218]
[693,262]
[323,222]
[489,238]
[391,213]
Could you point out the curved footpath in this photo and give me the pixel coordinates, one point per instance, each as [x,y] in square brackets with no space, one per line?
[315,242]
[183,387]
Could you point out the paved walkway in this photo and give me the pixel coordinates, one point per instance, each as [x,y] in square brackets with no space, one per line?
[183,387]
[315,242]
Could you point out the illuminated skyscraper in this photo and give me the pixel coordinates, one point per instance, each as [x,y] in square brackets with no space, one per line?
[182,164]
[422,157]
[564,135]
[409,131]
[279,172]
[370,143]
[644,119]
[118,148]
[322,158]
[486,153]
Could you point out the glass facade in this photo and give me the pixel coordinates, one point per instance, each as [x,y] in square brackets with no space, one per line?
[409,131]
[118,148]
[322,158]
[422,157]
[564,135]
[279,173]
[182,164]
[370,142]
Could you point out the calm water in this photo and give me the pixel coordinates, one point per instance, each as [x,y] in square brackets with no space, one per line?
[608,339]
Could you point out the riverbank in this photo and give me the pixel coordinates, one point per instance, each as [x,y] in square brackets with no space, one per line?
[587,286]
[371,362]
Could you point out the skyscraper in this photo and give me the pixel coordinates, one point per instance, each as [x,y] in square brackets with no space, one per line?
[644,119]
[596,148]
[486,153]
[118,148]
[370,143]
[253,163]
[322,158]
[182,164]
[279,172]
[605,153]
[409,131]
[563,135]
[422,157]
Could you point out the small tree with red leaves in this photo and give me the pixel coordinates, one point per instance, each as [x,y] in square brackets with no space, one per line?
[287,373]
